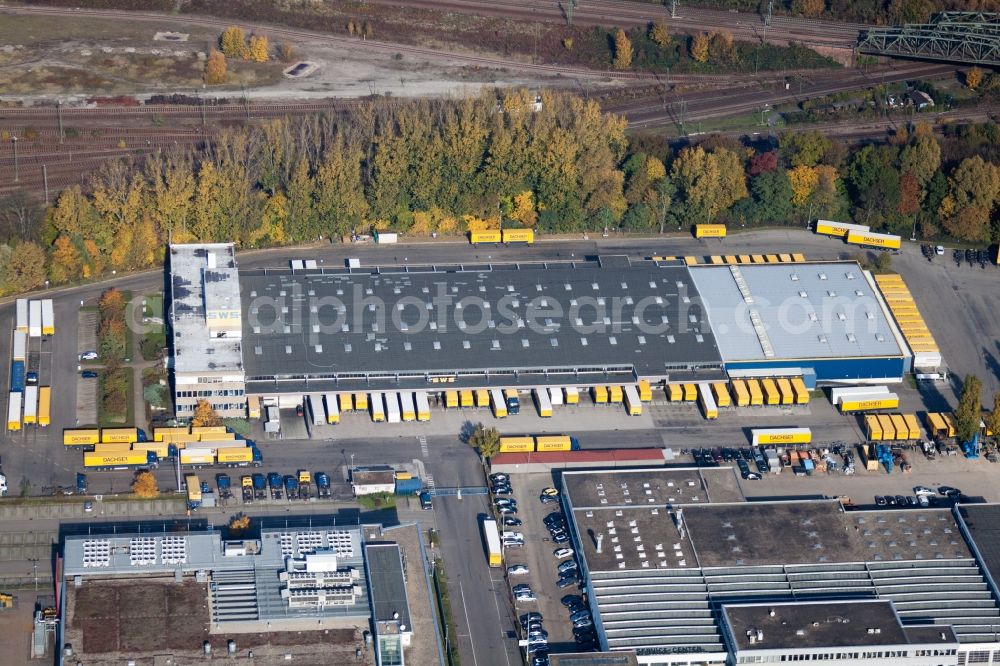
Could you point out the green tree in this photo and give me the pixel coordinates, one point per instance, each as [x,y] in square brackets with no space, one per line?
[486,441]
[659,34]
[804,148]
[968,412]
[992,417]
[707,183]
[808,8]
[921,157]
[340,196]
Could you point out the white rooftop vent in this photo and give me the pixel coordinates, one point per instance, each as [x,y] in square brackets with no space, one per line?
[822,276]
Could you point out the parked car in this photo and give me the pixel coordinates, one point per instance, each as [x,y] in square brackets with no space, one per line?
[567,566]
[521,587]
[752,476]
[567,581]
[425,501]
[518,570]
[548,499]
[88,356]
[88,374]
[563,553]
[527,618]
[939,250]
[499,478]
[900,500]
[922,490]
[506,510]
[571,599]
[881,501]
[585,622]
[512,522]
[550,492]
[560,539]
[948,491]
[579,615]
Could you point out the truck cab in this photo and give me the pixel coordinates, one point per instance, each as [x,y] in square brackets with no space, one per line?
[259,486]
[225,485]
[247,484]
[291,487]
[322,485]
[257,460]
[305,484]
[513,402]
[81,484]
[274,482]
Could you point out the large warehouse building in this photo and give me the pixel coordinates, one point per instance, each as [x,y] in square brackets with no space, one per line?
[285,333]
[682,579]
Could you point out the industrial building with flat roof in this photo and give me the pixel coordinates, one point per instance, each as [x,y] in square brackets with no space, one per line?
[283,333]
[663,564]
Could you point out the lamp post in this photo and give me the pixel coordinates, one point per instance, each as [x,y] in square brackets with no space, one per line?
[17,172]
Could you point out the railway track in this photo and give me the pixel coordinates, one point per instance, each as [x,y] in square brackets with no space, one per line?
[747,26]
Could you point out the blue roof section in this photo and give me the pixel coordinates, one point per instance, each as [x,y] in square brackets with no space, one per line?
[823,310]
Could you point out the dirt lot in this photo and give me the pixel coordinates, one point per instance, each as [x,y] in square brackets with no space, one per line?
[110,622]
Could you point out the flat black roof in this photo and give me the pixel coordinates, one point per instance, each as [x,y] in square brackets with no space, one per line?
[526,324]
[386,577]
[813,625]
[983,524]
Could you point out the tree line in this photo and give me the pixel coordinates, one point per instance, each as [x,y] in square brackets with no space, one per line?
[458,165]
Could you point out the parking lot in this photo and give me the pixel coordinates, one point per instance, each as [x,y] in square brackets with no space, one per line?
[538,555]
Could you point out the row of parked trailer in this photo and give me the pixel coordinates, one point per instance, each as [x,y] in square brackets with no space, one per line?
[858,234]
[27,402]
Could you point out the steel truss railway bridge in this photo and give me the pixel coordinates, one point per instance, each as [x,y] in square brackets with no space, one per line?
[968,37]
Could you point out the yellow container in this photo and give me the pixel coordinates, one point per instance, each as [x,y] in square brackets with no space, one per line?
[482,398]
[517,444]
[361,402]
[466,398]
[741,395]
[645,390]
[690,392]
[756,395]
[599,394]
[721,394]
[615,394]
[519,236]
[476,237]
[709,231]
[451,398]
[785,389]
[346,402]
[771,394]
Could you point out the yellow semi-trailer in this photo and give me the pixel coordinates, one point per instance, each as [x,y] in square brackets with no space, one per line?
[771,394]
[81,437]
[44,405]
[554,443]
[498,403]
[780,436]
[889,401]
[838,229]
[709,231]
[477,237]
[407,406]
[518,236]
[423,406]
[756,394]
[120,435]
[633,404]
[160,433]
[197,456]
[785,389]
[130,460]
[113,448]
[542,402]
[599,394]
[721,394]
[675,392]
[615,394]
[466,398]
[378,413]
[361,402]
[869,239]
[572,395]
[645,390]
[450,399]
[346,402]
[707,402]
[253,406]
[491,539]
[207,430]
[517,444]
[690,392]
[161,449]
[234,454]
[741,395]
[332,408]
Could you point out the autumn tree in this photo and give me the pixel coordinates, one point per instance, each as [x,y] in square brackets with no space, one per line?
[721,48]
[973,77]
[24,269]
[260,50]
[233,43]
[238,525]
[65,262]
[804,180]
[804,148]
[763,162]
[707,183]
[968,412]
[486,441]
[286,52]
[623,50]
[144,485]
[700,46]
[973,189]
[205,415]
[808,8]
[215,68]
[921,157]
[992,417]
[659,35]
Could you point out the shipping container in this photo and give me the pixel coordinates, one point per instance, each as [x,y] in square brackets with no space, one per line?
[81,437]
[44,405]
[498,403]
[197,456]
[14,411]
[517,444]
[785,389]
[913,426]
[690,392]
[518,236]
[450,398]
[193,486]
[873,428]
[122,435]
[466,398]
[887,401]
[542,402]
[837,395]
[491,540]
[771,394]
[477,237]
[48,317]
[378,412]
[482,398]
[21,322]
[599,394]
[900,426]
[633,405]
[838,229]
[208,430]
[34,319]
[407,407]
[801,392]
[315,414]
[709,231]
[935,425]
[741,395]
[30,404]
[721,394]
[424,406]
[332,408]
[392,414]
[556,443]
[572,395]
[949,423]
[615,394]
[707,402]
[888,429]
[869,239]
[361,402]
[20,346]
[645,390]
[409,486]
[780,436]
[158,433]
[756,394]
[253,406]
[386,237]
[17,376]
[675,392]
[129,460]
[346,402]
